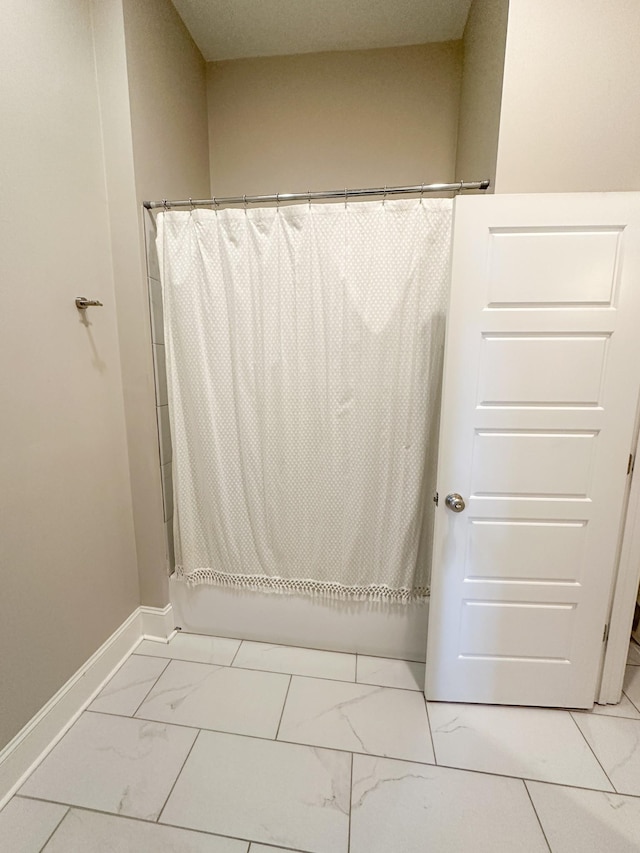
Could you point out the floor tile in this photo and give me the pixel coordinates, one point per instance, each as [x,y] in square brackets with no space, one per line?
[386,672]
[217,697]
[25,825]
[624,708]
[100,833]
[114,764]
[129,686]
[413,808]
[632,684]
[357,717]
[633,657]
[193,647]
[275,793]
[534,743]
[297,661]
[587,821]
[616,743]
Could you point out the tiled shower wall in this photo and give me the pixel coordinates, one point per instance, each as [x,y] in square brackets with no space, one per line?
[160,374]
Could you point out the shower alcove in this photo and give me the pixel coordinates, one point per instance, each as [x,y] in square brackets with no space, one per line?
[355,118]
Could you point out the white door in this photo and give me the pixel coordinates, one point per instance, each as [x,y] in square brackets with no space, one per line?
[542,371]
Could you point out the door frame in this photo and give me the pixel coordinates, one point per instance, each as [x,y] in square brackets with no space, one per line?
[625,586]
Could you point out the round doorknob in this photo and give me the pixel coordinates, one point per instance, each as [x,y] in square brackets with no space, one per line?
[455,502]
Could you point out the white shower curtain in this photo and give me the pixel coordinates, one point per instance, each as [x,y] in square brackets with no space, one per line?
[304,359]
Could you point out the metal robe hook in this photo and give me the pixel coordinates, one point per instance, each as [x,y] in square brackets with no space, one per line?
[82,303]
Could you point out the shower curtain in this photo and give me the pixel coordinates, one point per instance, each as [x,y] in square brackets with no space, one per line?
[304,358]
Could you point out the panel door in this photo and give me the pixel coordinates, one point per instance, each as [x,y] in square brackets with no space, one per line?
[542,372]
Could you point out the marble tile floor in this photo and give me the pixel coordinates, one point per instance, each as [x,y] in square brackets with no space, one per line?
[212,745]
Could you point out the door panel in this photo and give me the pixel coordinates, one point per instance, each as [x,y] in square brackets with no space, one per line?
[524,551]
[545,464]
[542,370]
[583,270]
[517,629]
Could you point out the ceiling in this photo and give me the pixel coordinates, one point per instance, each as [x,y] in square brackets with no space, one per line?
[231,29]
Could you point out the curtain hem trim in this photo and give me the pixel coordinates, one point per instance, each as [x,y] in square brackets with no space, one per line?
[285,586]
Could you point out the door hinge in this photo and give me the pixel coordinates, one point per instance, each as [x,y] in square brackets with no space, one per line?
[436,498]
[605,634]
[630,464]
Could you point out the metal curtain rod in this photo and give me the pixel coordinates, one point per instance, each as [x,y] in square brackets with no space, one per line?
[309,196]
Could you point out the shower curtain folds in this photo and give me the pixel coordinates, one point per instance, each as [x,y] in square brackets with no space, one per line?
[304,359]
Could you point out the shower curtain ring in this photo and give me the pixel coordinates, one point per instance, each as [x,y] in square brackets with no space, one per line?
[421,193]
[345,198]
[192,205]
[244,198]
[277,200]
[384,197]
[165,204]
[309,198]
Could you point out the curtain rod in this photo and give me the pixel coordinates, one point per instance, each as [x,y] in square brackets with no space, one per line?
[309,196]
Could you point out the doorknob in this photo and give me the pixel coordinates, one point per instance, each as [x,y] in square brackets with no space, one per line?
[455,502]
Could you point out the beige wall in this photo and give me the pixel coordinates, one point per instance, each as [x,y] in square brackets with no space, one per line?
[327,120]
[67,556]
[481,95]
[167,85]
[153,94]
[571,104]
[168,98]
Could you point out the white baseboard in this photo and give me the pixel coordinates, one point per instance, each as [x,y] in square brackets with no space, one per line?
[157,623]
[28,748]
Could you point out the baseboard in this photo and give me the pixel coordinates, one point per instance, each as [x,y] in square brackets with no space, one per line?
[157,623]
[28,748]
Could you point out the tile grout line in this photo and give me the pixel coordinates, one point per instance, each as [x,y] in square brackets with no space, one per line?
[370,754]
[304,648]
[281,672]
[433,744]
[271,671]
[250,841]
[588,713]
[286,696]
[236,654]
[157,820]
[55,829]
[52,749]
[350,805]
[584,737]
[632,702]
[142,820]
[270,845]
[533,806]
[146,695]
